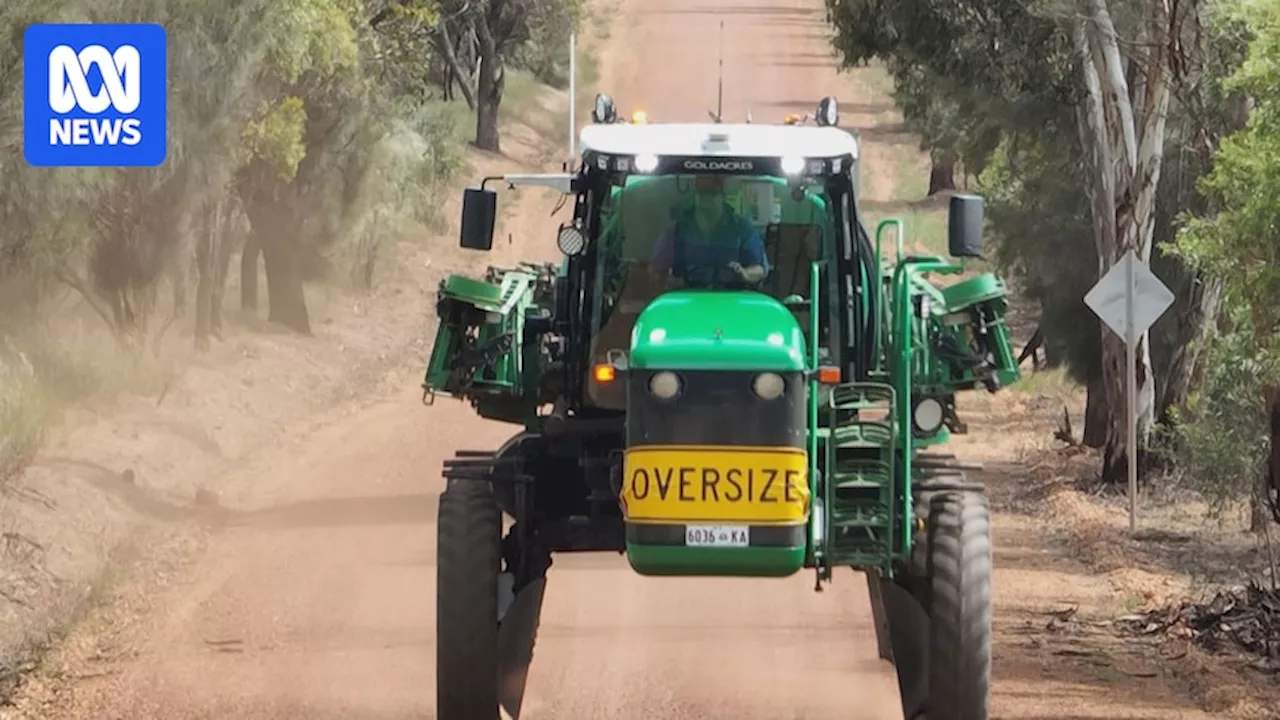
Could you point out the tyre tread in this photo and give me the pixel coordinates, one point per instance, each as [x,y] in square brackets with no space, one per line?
[954,565]
[468,559]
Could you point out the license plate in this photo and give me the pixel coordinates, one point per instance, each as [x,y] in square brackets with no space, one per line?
[715,485]
[715,536]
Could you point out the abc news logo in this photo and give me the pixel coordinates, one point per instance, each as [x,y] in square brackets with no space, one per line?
[69,90]
[95,95]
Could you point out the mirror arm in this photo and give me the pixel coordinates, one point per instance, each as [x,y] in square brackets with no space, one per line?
[565,183]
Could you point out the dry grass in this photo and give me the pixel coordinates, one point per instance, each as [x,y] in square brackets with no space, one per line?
[46,368]
[1181,552]
[23,413]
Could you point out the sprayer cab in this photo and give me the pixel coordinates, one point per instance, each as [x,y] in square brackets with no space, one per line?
[726,373]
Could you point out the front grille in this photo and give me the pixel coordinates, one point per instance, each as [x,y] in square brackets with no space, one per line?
[715,408]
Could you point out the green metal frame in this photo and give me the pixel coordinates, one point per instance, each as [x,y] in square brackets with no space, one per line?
[863,460]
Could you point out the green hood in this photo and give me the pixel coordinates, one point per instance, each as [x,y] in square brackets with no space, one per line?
[717,330]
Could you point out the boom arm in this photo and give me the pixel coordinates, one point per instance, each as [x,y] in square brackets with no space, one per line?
[490,332]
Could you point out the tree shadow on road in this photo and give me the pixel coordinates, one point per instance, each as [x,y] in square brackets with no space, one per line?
[380,510]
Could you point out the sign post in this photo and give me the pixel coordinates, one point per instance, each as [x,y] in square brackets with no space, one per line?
[1129,299]
[573,101]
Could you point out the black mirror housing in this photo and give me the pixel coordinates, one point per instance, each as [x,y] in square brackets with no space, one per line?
[479,212]
[964,226]
[605,111]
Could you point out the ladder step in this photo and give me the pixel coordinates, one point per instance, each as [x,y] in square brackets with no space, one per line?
[860,477]
[873,521]
[857,484]
[860,464]
[863,435]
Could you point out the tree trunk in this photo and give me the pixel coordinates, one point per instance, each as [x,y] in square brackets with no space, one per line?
[224,247]
[942,175]
[1124,151]
[1270,492]
[204,285]
[1096,412]
[249,271]
[1260,512]
[1199,313]
[1115,454]
[489,88]
[286,303]
[445,46]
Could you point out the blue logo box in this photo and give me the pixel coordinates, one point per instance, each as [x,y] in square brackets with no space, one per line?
[95,95]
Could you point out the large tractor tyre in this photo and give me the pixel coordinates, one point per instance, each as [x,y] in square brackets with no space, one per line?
[951,570]
[468,560]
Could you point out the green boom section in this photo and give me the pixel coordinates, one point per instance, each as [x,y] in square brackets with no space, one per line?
[717,330]
[480,351]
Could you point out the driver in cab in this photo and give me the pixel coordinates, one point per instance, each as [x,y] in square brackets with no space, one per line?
[710,244]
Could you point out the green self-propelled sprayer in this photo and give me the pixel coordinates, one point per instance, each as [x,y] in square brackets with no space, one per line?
[721,377]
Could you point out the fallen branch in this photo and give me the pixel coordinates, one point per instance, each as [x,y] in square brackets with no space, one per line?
[1064,432]
[1246,619]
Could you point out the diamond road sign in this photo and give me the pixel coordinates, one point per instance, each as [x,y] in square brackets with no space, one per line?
[1150,297]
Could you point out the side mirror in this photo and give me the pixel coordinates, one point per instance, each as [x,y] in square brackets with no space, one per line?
[828,113]
[964,226]
[479,211]
[605,111]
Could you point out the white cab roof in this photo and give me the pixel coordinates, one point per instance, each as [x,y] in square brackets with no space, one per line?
[718,140]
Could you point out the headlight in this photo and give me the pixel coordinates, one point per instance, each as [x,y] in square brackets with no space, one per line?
[646,163]
[927,416]
[664,385]
[571,241]
[769,386]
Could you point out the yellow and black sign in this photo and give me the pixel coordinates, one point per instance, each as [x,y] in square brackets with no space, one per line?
[679,483]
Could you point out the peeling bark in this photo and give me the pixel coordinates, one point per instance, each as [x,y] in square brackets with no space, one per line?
[1125,154]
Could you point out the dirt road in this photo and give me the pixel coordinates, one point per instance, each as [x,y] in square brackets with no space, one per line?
[311,596]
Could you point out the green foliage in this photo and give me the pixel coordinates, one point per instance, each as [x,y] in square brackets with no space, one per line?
[315,36]
[545,52]
[1240,244]
[997,84]
[309,109]
[1219,437]
[1041,236]
[276,137]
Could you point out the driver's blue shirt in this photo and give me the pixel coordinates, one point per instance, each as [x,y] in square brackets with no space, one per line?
[683,245]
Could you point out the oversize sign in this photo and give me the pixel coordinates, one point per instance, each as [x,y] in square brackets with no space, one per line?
[684,484]
[94,95]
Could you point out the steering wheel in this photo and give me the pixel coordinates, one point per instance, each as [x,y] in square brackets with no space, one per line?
[720,277]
